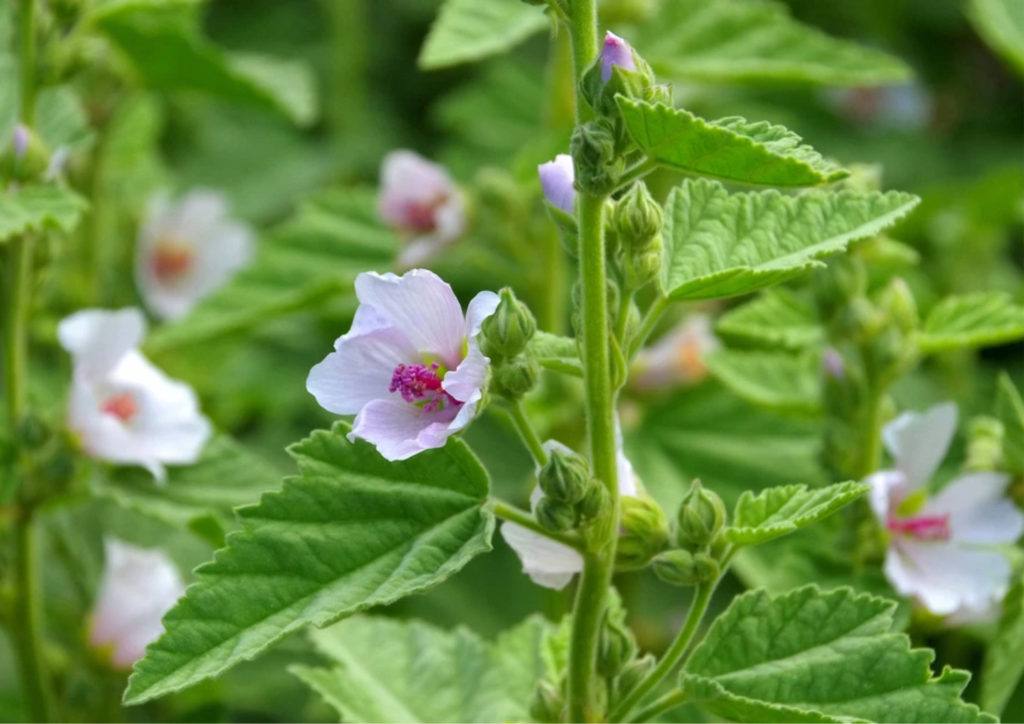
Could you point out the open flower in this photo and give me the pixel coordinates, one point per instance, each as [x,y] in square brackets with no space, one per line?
[410,368]
[187,250]
[420,200]
[556,178]
[139,586]
[615,51]
[123,409]
[678,357]
[549,563]
[943,547]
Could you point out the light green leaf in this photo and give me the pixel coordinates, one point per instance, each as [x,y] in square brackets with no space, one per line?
[1001,24]
[556,353]
[779,511]
[470,30]
[165,49]
[408,671]
[744,41]
[1010,410]
[817,656]
[722,245]
[35,208]
[776,380]
[777,318]
[730,149]
[314,257]
[1004,665]
[199,497]
[351,531]
[971,320]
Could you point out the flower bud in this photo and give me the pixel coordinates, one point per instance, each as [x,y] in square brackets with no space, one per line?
[507,332]
[643,532]
[557,178]
[595,501]
[593,153]
[547,703]
[26,157]
[898,301]
[616,648]
[701,516]
[566,477]
[515,377]
[643,266]
[681,568]
[985,446]
[634,672]
[554,515]
[661,93]
[637,217]
[615,51]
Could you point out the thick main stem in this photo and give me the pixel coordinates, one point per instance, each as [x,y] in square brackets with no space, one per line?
[28,619]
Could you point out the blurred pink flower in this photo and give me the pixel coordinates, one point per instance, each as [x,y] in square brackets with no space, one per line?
[677,357]
[556,178]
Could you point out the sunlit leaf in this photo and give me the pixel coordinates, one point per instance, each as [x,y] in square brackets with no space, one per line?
[779,511]
[1004,666]
[1001,24]
[35,208]
[972,320]
[469,30]
[776,380]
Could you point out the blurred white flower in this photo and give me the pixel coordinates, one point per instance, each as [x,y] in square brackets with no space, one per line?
[410,368]
[419,199]
[677,357]
[122,409]
[138,587]
[187,250]
[944,548]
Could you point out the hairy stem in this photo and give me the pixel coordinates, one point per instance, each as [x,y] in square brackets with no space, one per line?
[28,622]
[659,706]
[527,433]
[636,172]
[509,512]
[647,326]
[871,457]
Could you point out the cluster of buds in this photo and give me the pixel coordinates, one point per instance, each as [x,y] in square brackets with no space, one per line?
[506,335]
[700,519]
[572,495]
[636,223]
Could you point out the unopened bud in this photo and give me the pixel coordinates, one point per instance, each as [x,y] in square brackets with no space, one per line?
[554,515]
[566,477]
[593,152]
[635,672]
[546,703]
[515,377]
[595,501]
[507,332]
[701,517]
[643,532]
[616,648]
[898,301]
[615,51]
[637,217]
[985,448]
[557,178]
[643,266]
[661,93]
[25,157]
[681,568]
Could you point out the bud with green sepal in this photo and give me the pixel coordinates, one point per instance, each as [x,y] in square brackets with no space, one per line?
[897,301]
[25,157]
[643,266]
[637,218]
[701,517]
[547,703]
[636,671]
[555,515]
[507,332]
[619,70]
[681,568]
[643,532]
[595,502]
[596,161]
[616,647]
[566,477]
[985,445]
[515,377]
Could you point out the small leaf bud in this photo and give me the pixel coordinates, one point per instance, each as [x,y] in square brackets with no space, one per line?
[595,501]
[701,517]
[643,266]
[681,568]
[616,648]
[985,447]
[643,532]
[634,672]
[26,156]
[554,515]
[637,217]
[507,332]
[661,93]
[515,377]
[566,477]
[593,151]
[546,703]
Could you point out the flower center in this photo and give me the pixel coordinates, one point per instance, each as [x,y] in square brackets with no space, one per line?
[421,385]
[421,216]
[922,527]
[171,260]
[690,360]
[121,406]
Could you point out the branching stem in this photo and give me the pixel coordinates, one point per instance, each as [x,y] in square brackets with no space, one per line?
[509,512]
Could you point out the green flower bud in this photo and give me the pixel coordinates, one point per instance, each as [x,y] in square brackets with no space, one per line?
[643,266]
[554,515]
[661,93]
[898,301]
[681,568]
[616,648]
[701,517]
[547,703]
[643,532]
[985,448]
[845,279]
[23,155]
[507,332]
[515,377]
[566,477]
[594,155]
[635,672]
[595,501]
[637,218]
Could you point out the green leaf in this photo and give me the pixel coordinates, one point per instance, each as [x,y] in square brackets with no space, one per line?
[730,149]
[351,531]
[1001,24]
[722,245]
[556,353]
[1004,665]
[199,497]
[971,320]
[166,51]
[776,380]
[311,258]
[779,511]
[470,30]
[35,208]
[408,671]
[813,656]
[740,41]
[778,318]
[1010,410]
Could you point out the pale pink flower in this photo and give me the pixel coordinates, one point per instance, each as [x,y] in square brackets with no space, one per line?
[557,178]
[419,199]
[410,368]
[615,51]
[122,409]
[678,357]
[138,587]
[944,548]
[188,250]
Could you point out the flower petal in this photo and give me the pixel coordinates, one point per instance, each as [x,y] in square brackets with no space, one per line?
[480,308]
[615,51]
[97,339]
[888,489]
[918,442]
[979,511]
[945,576]
[547,562]
[409,179]
[466,383]
[556,179]
[399,429]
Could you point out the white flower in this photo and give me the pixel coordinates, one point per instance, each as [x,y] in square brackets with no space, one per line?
[678,357]
[410,368]
[139,586]
[187,250]
[122,408]
[556,179]
[944,547]
[420,200]
[549,563]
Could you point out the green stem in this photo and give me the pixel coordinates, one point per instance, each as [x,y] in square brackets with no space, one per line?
[675,655]
[583,32]
[659,706]
[527,433]
[647,326]
[509,512]
[17,302]
[27,61]
[622,319]
[636,172]
[28,624]
[349,27]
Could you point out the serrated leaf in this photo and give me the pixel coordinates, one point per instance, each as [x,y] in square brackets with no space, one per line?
[1004,666]
[306,260]
[820,657]
[775,380]
[779,511]
[556,353]
[971,320]
[469,30]
[165,49]
[730,149]
[199,497]
[351,531]
[722,245]
[35,208]
[778,318]
[1001,24]
[409,671]
[740,41]
[1010,410]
